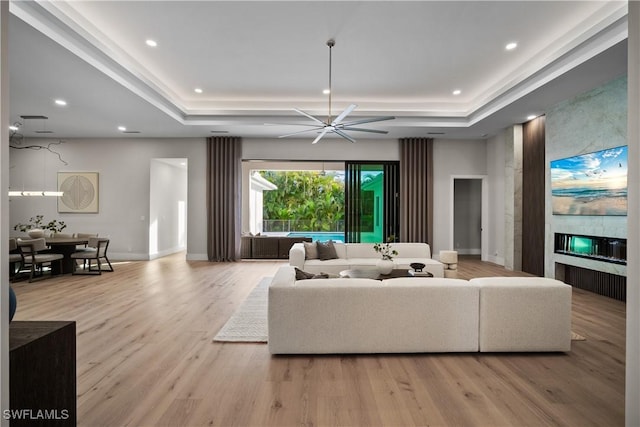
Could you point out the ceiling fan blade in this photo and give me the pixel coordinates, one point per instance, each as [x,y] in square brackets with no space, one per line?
[375,119]
[315,119]
[344,135]
[300,131]
[292,124]
[319,137]
[344,114]
[363,130]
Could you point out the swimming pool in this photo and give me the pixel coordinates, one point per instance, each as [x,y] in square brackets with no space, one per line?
[319,236]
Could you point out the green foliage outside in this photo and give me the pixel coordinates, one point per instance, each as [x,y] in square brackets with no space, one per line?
[304,200]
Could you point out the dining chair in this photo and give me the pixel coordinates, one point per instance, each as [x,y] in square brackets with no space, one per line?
[35,258]
[15,258]
[62,236]
[96,250]
[84,236]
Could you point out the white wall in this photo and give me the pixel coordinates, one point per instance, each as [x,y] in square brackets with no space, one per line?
[452,157]
[496,174]
[590,122]
[124,186]
[124,167]
[168,208]
[327,149]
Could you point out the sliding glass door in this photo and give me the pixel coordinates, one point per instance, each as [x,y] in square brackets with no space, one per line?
[371,201]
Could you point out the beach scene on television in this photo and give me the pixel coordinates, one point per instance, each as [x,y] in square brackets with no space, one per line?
[590,184]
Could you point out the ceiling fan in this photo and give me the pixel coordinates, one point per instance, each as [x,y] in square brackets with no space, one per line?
[336,125]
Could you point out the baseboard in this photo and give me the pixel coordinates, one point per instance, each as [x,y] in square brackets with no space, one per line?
[469,251]
[197,257]
[127,256]
[166,252]
[496,260]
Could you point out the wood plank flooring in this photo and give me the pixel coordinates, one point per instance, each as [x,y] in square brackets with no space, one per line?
[145,357]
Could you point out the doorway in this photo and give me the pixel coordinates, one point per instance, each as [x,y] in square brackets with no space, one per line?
[167,206]
[469,215]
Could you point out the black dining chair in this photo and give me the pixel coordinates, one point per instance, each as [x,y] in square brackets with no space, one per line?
[96,250]
[36,256]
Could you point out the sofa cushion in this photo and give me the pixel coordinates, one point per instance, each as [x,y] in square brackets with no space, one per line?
[303,275]
[310,250]
[326,250]
[341,249]
[362,250]
[524,314]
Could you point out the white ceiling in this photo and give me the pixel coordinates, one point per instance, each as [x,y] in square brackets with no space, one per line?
[256,61]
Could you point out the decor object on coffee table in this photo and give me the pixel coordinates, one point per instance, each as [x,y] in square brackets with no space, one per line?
[385,265]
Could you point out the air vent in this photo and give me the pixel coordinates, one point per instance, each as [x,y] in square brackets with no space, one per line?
[131,131]
[44,131]
[27,117]
[219,131]
[435,133]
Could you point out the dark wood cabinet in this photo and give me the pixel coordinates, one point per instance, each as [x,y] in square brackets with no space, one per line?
[42,373]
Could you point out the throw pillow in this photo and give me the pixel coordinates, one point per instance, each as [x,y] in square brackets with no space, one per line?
[326,250]
[310,250]
[303,275]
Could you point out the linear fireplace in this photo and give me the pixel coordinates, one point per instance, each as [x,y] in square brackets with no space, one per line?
[607,249]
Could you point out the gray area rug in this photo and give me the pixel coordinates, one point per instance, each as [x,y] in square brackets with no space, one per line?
[249,322]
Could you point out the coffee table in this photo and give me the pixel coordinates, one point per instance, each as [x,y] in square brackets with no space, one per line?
[372,273]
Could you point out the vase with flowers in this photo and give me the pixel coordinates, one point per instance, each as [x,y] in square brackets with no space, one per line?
[37,226]
[385,265]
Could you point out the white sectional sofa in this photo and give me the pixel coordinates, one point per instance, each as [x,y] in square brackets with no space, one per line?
[362,255]
[416,315]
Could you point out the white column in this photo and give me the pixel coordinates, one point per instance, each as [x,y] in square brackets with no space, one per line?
[632,392]
[4,209]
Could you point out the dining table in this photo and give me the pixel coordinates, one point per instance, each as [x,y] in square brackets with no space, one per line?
[65,246]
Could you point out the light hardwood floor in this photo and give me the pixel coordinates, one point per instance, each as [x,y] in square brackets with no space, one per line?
[145,357]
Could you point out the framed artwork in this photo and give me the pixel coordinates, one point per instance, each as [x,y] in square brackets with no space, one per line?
[80,192]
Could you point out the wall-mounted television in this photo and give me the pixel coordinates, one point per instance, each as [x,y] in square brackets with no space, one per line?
[590,184]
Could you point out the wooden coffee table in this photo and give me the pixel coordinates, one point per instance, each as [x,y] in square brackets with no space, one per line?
[372,273]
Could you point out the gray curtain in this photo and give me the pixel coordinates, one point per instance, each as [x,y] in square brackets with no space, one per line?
[224,184]
[416,190]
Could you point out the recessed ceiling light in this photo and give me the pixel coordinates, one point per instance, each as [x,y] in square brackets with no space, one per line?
[197,90]
[531,117]
[60,102]
[122,128]
[151,43]
[457,92]
[511,46]
[326,91]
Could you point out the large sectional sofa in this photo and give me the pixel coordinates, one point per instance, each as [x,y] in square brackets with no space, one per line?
[417,314]
[362,255]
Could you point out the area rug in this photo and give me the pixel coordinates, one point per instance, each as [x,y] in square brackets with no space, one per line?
[249,322]
[577,337]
